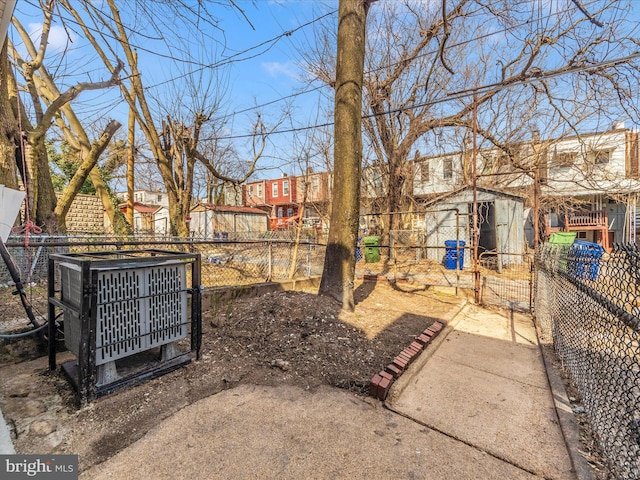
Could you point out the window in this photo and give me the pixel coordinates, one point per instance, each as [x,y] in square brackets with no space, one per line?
[601,156]
[424,171]
[274,189]
[250,191]
[289,212]
[280,212]
[159,198]
[488,165]
[448,169]
[260,190]
[285,188]
[565,159]
[315,186]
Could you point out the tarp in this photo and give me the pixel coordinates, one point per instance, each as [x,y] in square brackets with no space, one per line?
[10,201]
[6,12]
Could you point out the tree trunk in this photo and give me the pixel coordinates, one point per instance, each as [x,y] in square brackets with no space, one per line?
[340,259]
[44,196]
[84,170]
[8,127]
[296,245]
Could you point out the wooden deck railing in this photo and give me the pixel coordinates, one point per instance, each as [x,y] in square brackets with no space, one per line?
[592,218]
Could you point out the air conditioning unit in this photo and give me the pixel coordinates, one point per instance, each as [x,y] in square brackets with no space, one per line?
[118,305]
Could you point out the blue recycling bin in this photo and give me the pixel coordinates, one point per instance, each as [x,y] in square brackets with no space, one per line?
[585,259]
[451,259]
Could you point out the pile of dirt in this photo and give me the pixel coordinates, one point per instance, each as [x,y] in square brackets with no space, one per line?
[283,338]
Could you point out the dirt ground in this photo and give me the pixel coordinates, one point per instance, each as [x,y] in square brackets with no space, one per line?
[283,338]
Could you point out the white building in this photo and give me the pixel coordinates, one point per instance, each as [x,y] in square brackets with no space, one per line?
[588,183]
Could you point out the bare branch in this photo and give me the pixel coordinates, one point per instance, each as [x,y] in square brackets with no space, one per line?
[591,18]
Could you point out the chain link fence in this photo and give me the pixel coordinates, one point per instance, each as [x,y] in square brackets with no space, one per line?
[505,279]
[589,306]
[414,256]
[232,260]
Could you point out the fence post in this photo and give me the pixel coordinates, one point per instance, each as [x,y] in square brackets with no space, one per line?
[269,260]
[531,279]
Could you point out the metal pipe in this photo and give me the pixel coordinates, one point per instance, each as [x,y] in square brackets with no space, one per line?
[458,253]
[15,276]
[476,236]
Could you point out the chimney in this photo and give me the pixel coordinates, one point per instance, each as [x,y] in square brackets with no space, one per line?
[535,135]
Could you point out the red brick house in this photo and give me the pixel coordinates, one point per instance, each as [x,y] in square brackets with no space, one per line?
[281,195]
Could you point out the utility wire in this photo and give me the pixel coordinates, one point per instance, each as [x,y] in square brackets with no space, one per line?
[459,94]
[383,67]
[231,59]
[202,66]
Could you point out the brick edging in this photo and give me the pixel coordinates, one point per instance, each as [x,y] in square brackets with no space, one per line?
[382,381]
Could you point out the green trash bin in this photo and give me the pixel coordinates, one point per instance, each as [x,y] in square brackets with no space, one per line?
[562,238]
[371,249]
[562,241]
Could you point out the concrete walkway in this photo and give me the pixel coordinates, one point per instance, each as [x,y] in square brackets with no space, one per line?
[486,386]
[475,405]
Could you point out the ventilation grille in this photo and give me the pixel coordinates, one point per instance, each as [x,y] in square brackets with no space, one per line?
[137,309]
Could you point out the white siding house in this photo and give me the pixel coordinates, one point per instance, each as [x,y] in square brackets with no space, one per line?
[590,183]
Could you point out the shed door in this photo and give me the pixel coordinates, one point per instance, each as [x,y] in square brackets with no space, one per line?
[504,217]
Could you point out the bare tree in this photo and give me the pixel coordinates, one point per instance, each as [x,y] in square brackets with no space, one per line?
[50,106]
[427,61]
[177,143]
[9,134]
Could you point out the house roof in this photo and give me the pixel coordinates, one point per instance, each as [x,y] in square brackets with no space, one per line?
[228,208]
[550,141]
[141,207]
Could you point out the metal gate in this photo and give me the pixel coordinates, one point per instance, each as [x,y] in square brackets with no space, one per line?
[506,280]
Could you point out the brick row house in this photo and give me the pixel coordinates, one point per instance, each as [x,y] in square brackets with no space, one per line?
[285,198]
[588,183]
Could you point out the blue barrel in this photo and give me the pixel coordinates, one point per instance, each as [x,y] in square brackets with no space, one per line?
[451,259]
[586,259]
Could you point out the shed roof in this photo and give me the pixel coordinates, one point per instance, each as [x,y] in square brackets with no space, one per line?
[228,209]
[141,207]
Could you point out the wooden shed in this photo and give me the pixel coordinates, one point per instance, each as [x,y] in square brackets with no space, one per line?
[500,218]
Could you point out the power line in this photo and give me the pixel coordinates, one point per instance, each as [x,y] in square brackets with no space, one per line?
[382,67]
[460,94]
[202,66]
[104,34]
[228,60]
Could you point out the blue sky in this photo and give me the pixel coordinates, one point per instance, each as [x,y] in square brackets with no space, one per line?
[258,76]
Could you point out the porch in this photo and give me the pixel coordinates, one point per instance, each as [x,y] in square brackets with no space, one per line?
[587,220]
